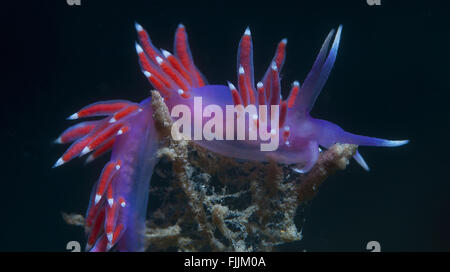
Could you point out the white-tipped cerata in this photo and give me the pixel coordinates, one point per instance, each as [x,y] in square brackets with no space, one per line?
[274,66]
[112,120]
[166,53]
[231,86]
[97,198]
[59,162]
[247,31]
[159,59]
[73,116]
[138,27]
[110,202]
[110,236]
[147,74]
[284,40]
[120,132]
[180,91]
[241,70]
[259,85]
[296,83]
[58,140]
[85,150]
[138,48]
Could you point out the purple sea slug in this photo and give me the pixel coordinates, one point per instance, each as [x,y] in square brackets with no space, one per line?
[115,219]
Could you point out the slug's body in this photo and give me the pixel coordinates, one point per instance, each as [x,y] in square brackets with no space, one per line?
[116,215]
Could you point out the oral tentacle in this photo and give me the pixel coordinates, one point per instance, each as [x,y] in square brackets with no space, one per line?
[360,160]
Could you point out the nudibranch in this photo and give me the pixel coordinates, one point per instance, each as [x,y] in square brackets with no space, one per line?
[115,218]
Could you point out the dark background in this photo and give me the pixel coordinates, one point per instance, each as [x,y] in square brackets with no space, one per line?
[390,80]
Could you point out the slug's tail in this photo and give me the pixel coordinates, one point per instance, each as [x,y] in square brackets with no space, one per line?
[169,74]
[350,138]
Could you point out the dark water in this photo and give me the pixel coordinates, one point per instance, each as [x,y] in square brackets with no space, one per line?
[390,80]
